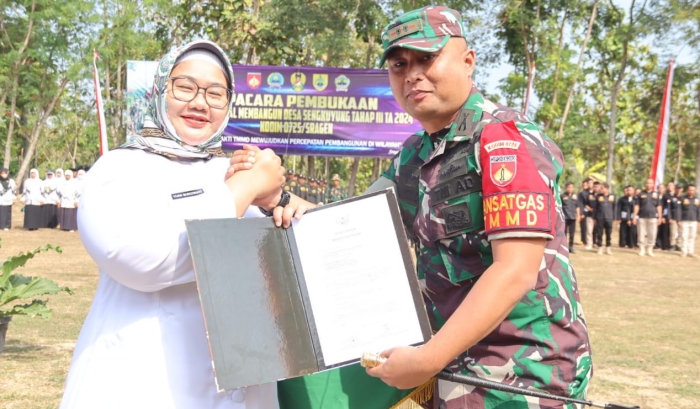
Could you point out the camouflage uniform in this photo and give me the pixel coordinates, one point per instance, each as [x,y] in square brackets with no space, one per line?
[494,175]
[336,194]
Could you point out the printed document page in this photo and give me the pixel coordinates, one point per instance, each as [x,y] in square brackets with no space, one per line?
[356,279]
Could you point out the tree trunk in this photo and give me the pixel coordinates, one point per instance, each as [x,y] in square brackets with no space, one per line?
[311,169]
[36,131]
[11,125]
[376,169]
[353,176]
[578,70]
[697,151]
[555,91]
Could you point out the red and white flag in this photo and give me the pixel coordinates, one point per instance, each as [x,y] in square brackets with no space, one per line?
[528,95]
[100,107]
[659,162]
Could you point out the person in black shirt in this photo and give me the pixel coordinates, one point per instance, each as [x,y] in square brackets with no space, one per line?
[582,199]
[673,215]
[625,214]
[690,216]
[604,214]
[647,210]
[589,204]
[572,213]
[663,234]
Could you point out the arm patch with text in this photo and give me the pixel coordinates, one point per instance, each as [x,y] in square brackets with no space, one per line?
[516,198]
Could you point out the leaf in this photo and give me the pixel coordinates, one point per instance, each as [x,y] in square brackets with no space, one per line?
[36,307]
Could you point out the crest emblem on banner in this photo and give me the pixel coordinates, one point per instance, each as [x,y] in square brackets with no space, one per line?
[275,80]
[342,83]
[503,169]
[320,81]
[254,80]
[298,81]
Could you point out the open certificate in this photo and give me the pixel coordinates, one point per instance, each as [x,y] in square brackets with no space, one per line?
[283,303]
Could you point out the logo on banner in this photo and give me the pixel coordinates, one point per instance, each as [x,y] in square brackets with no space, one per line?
[320,81]
[275,80]
[503,168]
[298,81]
[254,80]
[342,83]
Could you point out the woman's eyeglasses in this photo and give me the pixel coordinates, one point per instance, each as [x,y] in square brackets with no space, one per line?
[185,90]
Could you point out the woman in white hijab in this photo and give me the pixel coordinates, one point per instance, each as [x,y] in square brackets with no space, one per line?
[68,195]
[33,201]
[143,344]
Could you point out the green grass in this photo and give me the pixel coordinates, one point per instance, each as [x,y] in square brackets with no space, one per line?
[643,315]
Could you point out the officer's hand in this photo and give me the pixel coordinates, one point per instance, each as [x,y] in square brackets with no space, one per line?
[242,159]
[283,215]
[405,368]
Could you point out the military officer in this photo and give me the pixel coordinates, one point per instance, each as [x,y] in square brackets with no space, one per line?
[291,185]
[303,186]
[312,195]
[572,213]
[337,192]
[647,211]
[604,214]
[482,210]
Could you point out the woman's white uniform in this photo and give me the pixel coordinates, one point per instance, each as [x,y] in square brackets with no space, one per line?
[143,344]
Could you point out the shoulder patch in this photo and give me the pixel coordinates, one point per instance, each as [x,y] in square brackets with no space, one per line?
[503,169]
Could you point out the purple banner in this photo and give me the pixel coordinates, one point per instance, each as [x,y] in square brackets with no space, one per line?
[316,111]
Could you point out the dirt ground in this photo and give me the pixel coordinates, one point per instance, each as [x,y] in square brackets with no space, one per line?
[643,314]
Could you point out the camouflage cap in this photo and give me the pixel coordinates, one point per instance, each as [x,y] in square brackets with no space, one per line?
[426,29]
[335,177]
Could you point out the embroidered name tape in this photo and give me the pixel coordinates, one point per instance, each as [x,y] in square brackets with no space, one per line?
[518,211]
[189,193]
[502,145]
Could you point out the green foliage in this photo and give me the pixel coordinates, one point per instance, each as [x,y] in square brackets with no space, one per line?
[15,287]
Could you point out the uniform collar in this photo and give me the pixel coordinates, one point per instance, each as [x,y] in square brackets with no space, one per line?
[462,129]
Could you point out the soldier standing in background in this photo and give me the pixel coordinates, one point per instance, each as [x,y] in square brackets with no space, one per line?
[647,211]
[582,199]
[690,216]
[303,187]
[604,214]
[572,213]
[312,195]
[337,192]
[291,185]
[322,187]
[625,214]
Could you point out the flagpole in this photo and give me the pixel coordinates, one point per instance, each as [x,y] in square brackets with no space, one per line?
[104,146]
[659,161]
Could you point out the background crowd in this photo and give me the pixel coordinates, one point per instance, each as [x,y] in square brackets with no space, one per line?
[661,217]
[50,202]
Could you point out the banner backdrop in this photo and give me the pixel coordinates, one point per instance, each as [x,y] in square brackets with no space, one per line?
[301,110]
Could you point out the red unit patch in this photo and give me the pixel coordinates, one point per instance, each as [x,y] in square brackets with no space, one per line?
[503,169]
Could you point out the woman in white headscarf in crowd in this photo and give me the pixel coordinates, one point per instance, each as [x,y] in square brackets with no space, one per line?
[68,208]
[8,194]
[33,201]
[143,344]
[48,189]
[60,178]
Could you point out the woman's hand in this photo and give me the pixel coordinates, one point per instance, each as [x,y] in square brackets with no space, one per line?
[242,159]
[264,178]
